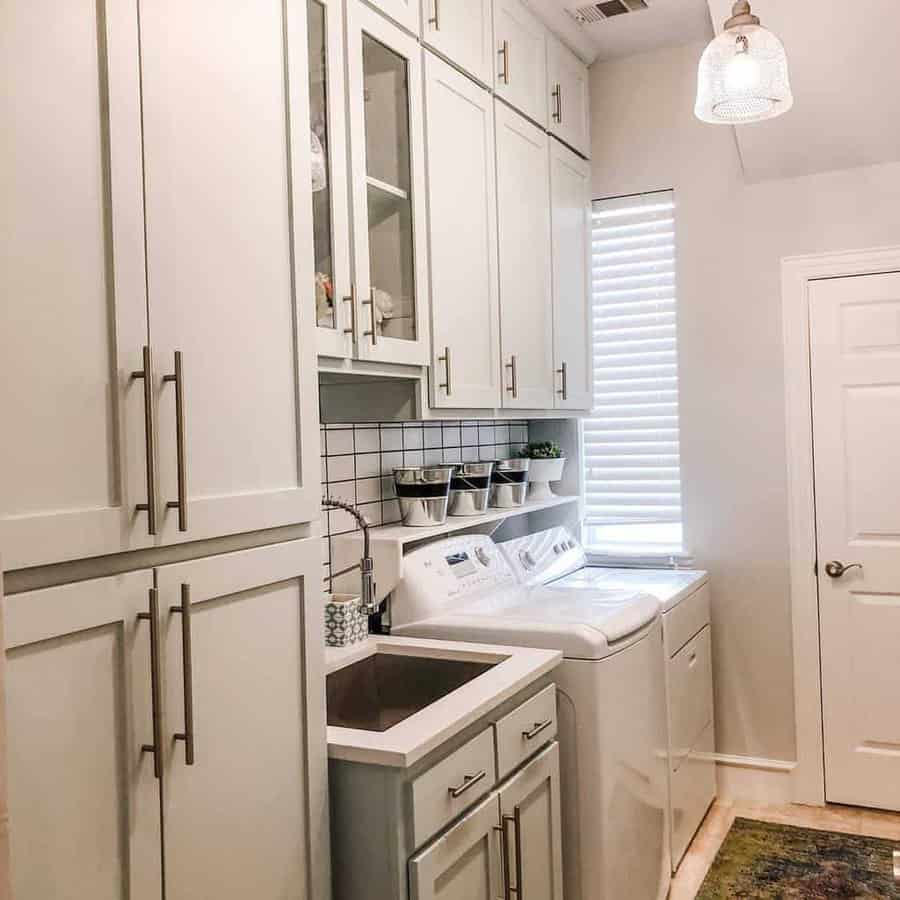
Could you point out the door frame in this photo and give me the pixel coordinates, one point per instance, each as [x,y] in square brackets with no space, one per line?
[808,777]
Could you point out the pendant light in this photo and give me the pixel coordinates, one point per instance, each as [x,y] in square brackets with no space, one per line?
[743,73]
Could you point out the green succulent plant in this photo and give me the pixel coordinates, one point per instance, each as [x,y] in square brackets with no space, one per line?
[541,450]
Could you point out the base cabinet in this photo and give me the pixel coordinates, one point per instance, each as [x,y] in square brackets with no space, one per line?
[125,691]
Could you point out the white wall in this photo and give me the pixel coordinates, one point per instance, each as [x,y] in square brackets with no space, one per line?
[731,238]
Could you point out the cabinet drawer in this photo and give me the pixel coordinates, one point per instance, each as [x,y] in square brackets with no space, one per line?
[690,695]
[454,784]
[685,620]
[525,730]
[693,791]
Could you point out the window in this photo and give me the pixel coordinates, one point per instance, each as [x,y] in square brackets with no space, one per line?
[631,450]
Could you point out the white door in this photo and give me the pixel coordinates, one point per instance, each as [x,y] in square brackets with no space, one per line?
[523,220]
[568,96]
[229,244]
[570,215]
[333,295]
[855,350]
[461,31]
[83,796]
[73,316]
[462,198]
[530,814]
[387,168]
[403,12]
[245,806]
[464,863]
[520,69]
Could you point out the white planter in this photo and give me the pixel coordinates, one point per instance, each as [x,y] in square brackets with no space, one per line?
[540,473]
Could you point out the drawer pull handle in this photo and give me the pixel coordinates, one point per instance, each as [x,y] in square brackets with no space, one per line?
[537,729]
[468,781]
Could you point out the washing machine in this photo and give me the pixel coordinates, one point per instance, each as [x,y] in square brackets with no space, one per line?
[611,690]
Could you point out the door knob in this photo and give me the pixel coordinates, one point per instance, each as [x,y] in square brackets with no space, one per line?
[836,568]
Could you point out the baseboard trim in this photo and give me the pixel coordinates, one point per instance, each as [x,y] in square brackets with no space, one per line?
[753,780]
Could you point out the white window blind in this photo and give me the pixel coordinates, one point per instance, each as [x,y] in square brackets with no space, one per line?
[631,448]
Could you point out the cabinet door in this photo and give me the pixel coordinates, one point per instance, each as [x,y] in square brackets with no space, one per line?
[520,71]
[530,813]
[73,315]
[570,214]
[83,799]
[526,308]
[245,807]
[463,231]
[461,31]
[229,242]
[462,864]
[333,294]
[403,12]
[569,97]
[384,80]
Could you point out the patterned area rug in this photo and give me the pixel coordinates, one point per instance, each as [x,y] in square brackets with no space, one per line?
[782,862]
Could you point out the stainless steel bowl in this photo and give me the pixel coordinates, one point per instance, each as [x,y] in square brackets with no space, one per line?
[470,488]
[423,493]
[509,483]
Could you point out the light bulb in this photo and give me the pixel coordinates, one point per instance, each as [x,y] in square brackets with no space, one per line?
[742,74]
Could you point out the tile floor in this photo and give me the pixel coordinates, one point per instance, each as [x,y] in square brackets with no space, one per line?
[706,844]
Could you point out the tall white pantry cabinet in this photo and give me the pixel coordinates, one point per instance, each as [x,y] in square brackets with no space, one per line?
[165,726]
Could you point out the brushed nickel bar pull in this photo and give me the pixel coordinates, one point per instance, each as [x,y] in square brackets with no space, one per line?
[563,373]
[181,503]
[153,618]
[514,386]
[371,304]
[436,18]
[352,301]
[504,861]
[532,733]
[516,819]
[504,52]
[445,359]
[557,95]
[184,609]
[467,782]
[146,373]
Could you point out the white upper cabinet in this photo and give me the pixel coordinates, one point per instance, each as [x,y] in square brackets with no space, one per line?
[332,294]
[463,239]
[569,96]
[73,317]
[229,240]
[520,72]
[523,214]
[384,81]
[570,214]
[403,12]
[460,30]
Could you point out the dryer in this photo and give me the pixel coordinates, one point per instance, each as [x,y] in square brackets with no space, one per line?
[611,689]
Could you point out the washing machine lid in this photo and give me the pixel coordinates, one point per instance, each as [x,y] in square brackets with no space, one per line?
[583,624]
[669,586]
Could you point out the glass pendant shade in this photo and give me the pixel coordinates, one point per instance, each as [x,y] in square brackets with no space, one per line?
[743,74]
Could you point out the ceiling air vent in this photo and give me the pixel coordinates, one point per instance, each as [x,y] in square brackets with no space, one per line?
[597,12]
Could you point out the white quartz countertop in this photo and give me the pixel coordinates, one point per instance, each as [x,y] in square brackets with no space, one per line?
[408,741]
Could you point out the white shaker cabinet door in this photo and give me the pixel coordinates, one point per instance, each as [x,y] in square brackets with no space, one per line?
[463,230]
[464,863]
[569,96]
[461,31]
[73,316]
[403,12]
[520,71]
[526,308]
[83,796]
[245,806]
[229,255]
[532,829]
[570,213]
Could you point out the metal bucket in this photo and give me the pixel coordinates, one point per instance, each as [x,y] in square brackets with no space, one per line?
[470,488]
[509,483]
[423,493]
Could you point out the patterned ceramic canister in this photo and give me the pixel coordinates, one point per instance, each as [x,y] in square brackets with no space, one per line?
[345,623]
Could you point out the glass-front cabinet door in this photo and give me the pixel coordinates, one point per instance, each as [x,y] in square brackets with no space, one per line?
[332,292]
[387,189]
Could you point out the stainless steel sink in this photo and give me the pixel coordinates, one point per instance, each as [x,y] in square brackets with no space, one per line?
[376,693]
